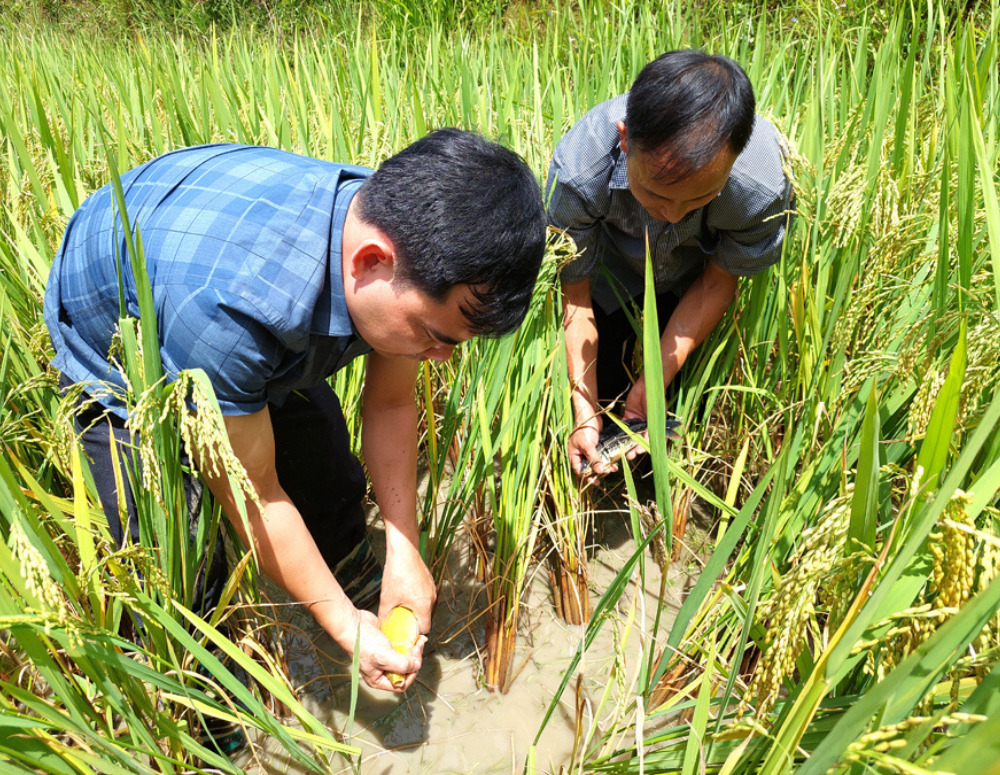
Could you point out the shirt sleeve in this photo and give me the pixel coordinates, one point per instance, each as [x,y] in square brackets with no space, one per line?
[223,335]
[755,245]
[579,217]
[577,188]
[754,210]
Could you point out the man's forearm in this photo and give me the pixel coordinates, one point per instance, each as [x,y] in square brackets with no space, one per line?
[581,348]
[390,444]
[284,547]
[389,439]
[287,553]
[696,316]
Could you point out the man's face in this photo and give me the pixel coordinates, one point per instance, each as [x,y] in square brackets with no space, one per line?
[406,322]
[670,202]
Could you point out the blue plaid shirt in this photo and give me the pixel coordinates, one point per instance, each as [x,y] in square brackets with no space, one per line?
[741,230]
[243,250]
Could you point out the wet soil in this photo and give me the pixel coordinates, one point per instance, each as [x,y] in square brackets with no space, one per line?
[448,722]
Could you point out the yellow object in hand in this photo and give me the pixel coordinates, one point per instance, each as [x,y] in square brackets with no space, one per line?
[401,628]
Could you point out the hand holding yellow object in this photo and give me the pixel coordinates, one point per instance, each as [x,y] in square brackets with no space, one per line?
[400,627]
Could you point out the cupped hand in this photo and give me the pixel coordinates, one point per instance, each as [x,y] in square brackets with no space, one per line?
[377,657]
[635,401]
[582,447]
[408,582]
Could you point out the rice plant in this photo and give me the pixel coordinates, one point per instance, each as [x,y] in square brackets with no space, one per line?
[840,423]
[856,614]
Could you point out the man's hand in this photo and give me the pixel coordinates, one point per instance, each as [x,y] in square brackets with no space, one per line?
[407,581]
[635,402]
[582,448]
[376,656]
[635,408]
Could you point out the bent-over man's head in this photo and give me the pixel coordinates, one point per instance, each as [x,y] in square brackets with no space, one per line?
[461,211]
[690,106]
[687,117]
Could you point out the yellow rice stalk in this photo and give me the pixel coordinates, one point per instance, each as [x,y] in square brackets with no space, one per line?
[568,509]
[204,432]
[953,548]
[989,568]
[37,578]
[787,613]
[961,568]
[876,747]
[981,376]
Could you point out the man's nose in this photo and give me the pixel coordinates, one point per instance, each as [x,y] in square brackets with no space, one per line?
[439,352]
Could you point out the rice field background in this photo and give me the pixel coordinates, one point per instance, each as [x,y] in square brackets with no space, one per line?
[840,425]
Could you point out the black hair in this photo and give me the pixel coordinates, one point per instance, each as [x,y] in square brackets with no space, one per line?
[461,210]
[686,107]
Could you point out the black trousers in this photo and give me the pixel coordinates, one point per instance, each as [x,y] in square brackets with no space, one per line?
[313,460]
[616,340]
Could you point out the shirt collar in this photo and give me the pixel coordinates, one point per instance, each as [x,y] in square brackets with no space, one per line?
[331,317]
[619,174]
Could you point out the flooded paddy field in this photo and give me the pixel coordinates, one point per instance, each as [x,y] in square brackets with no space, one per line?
[449,722]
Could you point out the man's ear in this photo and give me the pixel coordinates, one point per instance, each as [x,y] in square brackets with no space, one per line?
[373,257]
[622,136]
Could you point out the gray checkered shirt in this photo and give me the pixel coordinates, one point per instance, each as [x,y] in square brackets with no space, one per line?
[741,230]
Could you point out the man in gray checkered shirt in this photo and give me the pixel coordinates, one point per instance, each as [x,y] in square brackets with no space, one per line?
[680,163]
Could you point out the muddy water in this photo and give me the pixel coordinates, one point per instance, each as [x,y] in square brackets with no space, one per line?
[448,722]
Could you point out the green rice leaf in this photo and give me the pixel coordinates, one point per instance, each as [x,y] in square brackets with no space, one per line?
[935,447]
[897,695]
[864,505]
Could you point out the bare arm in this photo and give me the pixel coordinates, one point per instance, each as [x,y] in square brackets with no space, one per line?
[288,554]
[581,360]
[389,439]
[696,316]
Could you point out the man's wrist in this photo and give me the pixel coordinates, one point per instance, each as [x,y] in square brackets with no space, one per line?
[401,540]
[584,409]
[340,621]
[587,418]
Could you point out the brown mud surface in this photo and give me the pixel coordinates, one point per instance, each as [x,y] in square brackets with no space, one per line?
[448,722]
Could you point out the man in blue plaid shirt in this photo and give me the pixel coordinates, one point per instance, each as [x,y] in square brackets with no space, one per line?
[679,164]
[270,271]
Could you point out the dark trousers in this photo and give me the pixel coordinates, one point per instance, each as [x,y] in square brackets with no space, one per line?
[616,340]
[314,464]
